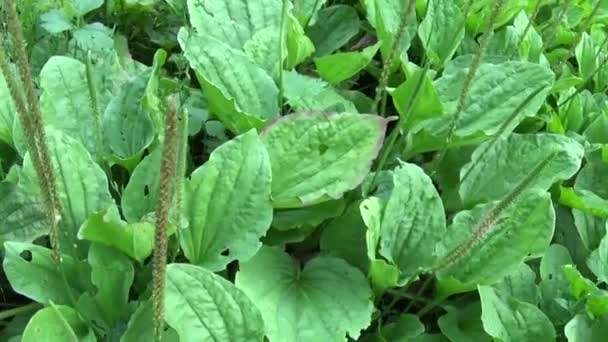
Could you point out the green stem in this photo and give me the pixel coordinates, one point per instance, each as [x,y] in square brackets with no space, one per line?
[281,56]
[19,310]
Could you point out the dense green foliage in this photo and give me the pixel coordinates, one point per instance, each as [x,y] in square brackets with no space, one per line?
[367,170]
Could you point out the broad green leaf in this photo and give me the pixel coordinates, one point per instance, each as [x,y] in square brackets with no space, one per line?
[95,37]
[140,195]
[229,205]
[7,112]
[495,93]
[598,260]
[240,93]
[344,237]
[583,329]
[441,30]
[491,241]
[341,66]
[386,16]
[462,323]
[112,274]
[592,178]
[55,21]
[426,103]
[66,101]
[233,22]
[488,178]
[586,56]
[127,127]
[583,289]
[139,327]
[412,222]
[133,239]
[318,156]
[81,184]
[312,215]
[306,10]
[57,323]
[39,278]
[309,304]
[82,7]
[305,93]
[584,200]
[511,320]
[22,216]
[202,306]
[595,132]
[334,27]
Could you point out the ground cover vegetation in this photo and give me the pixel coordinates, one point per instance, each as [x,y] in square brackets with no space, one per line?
[303,170]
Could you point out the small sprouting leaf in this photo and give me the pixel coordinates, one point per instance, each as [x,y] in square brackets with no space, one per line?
[7,112]
[112,274]
[583,329]
[441,30]
[299,46]
[586,56]
[240,93]
[598,260]
[94,37]
[139,197]
[530,42]
[333,28]
[317,156]
[584,200]
[312,215]
[462,323]
[82,7]
[201,306]
[340,66]
[134,239]
[81,183]
[127,127]
[511,320]
[305,93]
[412,222]
[490,241]
[487,178]
[228,204]
[57,323]
[55,21]
[22,216]
[308,304]
[39,278]
[406,328]
[426,103]
[344,237]
[306,10]
[386,16]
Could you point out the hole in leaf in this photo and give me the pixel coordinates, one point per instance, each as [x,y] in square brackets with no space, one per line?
[27,255]
[146,190]
[322,149]
[226,252]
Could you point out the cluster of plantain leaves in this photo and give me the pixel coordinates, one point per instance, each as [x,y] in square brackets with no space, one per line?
[369,170]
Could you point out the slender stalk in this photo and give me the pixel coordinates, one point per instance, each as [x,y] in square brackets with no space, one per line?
[388,63]
[468,80]
[19,310]
[95,107]
[163,206]
[281,45]
[180,175]
[35,130]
